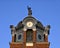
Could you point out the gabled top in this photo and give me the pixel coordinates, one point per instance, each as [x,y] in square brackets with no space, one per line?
[38,24]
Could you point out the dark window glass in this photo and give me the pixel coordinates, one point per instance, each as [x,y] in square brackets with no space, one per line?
[15,38]
[39,36]
[19,37]
[29,35]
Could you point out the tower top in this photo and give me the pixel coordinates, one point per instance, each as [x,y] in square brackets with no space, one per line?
[29,10]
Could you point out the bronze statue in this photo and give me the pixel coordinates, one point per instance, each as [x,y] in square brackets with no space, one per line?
[29,10]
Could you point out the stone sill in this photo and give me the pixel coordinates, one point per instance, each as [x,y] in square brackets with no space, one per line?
[29,42]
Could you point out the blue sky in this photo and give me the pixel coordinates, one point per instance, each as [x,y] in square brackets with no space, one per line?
[13,11]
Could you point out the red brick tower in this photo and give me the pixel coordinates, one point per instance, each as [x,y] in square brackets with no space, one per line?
[29,33]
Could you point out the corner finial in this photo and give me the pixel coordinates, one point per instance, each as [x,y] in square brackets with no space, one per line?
[29,10]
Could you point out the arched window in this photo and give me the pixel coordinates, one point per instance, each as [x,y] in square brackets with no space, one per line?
[15,38]
[39,37]
[29,35]
[19,37]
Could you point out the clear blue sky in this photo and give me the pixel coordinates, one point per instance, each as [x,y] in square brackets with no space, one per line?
[13,11]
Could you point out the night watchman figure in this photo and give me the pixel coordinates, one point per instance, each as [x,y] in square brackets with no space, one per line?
[29,10]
